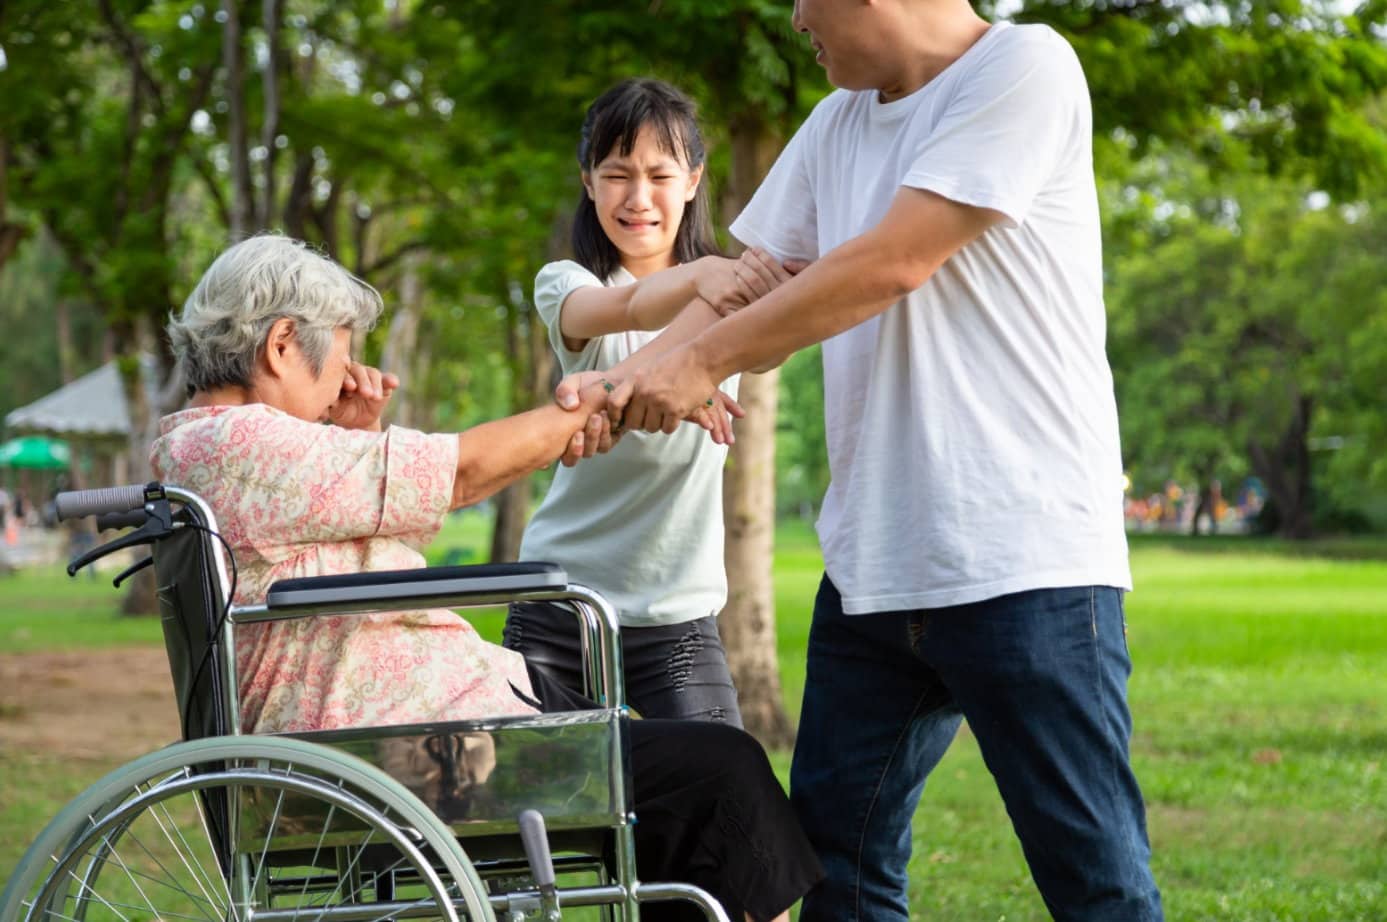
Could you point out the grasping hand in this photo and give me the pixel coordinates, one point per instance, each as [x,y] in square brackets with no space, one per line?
[660,395]
[716,416]
[596,437]
[716,282]
[365,392]
[758,274]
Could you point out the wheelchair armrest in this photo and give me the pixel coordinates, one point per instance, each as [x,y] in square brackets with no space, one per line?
[398,588]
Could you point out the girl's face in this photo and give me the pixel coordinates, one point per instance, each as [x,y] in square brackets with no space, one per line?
[640,201]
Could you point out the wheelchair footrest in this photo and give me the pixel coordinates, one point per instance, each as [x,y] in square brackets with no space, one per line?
[478,775]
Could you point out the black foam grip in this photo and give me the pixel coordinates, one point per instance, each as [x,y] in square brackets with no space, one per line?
[110,521]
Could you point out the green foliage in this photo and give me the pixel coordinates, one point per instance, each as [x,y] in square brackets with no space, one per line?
[1256,698]
[1238,317]
[801,453]
[1270,86]
[435,141]
[31,290]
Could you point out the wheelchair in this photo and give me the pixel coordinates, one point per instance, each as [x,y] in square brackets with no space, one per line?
[474,820]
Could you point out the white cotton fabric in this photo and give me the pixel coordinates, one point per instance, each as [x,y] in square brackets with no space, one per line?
[972,429]
[643,523]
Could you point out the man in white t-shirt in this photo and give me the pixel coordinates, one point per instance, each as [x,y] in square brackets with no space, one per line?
[972,533]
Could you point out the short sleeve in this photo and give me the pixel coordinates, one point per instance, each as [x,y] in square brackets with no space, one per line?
[279,482]
[781,217]
[1009,127]
[553,284]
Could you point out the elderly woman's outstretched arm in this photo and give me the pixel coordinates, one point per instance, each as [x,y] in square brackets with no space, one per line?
[493,455]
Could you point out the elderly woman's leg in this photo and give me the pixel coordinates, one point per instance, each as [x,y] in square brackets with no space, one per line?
[709,812]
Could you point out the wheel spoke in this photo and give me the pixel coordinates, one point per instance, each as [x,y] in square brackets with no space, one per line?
[269,836]
[203,879]
[318,850]
[205,899]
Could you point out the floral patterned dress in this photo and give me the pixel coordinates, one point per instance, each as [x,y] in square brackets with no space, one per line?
[294,498]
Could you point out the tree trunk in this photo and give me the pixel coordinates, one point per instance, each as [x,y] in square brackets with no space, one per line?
[1285,470]
[272,14]
[1201,506]
[747,624]
[67,352]
[532,368]
[242,199]
[141,393]
[10,234]
[401,355]
[512,511]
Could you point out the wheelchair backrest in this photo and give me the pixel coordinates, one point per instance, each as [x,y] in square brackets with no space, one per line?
[190,608]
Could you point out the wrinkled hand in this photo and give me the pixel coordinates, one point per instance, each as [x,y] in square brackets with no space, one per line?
[660,395]
[365,392]
[587,390]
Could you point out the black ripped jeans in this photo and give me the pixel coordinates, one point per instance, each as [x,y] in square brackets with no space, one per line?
[676,671]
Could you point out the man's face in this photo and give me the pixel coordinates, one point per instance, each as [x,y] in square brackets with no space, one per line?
[841,33]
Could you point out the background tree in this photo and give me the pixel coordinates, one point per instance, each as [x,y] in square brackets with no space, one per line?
[1238,310]
[430,148]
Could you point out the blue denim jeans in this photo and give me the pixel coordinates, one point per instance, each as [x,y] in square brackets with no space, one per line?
[1041,677]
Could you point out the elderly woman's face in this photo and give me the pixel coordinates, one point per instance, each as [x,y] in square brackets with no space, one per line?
[312,395]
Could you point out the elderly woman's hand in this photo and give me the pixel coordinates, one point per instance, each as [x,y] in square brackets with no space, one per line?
[596,437]
[365,392]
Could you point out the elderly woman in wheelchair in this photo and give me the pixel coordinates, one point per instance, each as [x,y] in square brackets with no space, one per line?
[265,344]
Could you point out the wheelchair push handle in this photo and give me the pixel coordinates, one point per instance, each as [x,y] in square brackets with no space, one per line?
[144,508]
[77,504]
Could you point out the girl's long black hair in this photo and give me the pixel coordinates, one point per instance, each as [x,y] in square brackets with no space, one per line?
[616,118]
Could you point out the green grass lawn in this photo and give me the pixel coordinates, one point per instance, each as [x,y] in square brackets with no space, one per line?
[1259,697]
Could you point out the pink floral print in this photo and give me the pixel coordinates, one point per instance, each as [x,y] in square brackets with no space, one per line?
[294,498]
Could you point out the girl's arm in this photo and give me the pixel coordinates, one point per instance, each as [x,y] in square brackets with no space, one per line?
[654,301]
[696,317]
[760,274]
[647,304]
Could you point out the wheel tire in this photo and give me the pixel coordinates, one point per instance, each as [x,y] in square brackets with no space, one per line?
[144,829]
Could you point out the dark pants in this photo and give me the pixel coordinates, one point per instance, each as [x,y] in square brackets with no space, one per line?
[1041,677]
[675,671]
[710,812]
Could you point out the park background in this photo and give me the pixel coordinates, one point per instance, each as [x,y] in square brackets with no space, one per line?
[1240,151]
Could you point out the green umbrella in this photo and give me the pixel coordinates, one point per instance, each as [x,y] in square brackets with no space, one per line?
[35,451]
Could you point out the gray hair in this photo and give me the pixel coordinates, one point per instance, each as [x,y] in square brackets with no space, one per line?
[226,319]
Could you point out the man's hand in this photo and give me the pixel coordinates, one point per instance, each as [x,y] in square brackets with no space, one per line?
[365,392]
[757,274]
[717,283]
[662,394]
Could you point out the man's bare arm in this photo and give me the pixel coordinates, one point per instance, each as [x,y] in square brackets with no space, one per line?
[850,284]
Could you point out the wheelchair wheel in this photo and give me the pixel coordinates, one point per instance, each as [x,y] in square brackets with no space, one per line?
[218,830]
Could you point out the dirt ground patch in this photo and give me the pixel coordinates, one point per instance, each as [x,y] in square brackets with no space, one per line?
[113,703]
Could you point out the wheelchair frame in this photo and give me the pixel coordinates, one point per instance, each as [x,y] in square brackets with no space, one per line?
[217,771]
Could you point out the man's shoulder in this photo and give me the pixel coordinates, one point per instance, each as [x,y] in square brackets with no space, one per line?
[1027,44]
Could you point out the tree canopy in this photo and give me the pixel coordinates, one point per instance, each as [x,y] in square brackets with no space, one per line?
[429,146]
